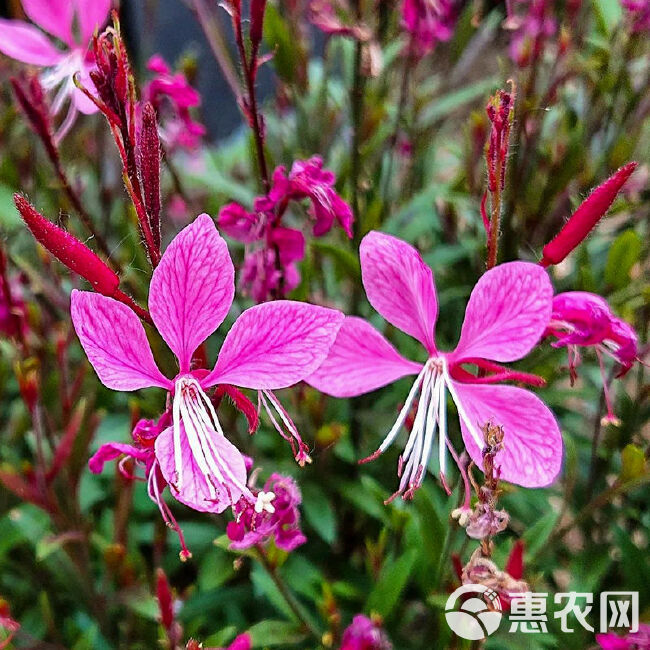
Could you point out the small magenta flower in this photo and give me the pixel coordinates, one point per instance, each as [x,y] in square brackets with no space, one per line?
[581,319]
[270,346]
[429,22]
[364,634]
[273,515]
[269,269]
[531,30]
[639,640]
[506,315]
[25,42]
[172,96]
[638,12]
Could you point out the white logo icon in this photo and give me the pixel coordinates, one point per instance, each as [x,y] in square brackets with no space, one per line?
[476,617]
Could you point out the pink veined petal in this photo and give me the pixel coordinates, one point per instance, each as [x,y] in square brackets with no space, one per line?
[507,313]
[112,450]
[532,453]
[24,42]
[53,17]
[361,360]
[196,489]
[192,288]
[115,342]
[91,14]
[400,286]
[275,345]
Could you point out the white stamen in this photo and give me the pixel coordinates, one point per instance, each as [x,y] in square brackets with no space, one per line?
[392,434]
[265,502]
[442,422]
[461,411]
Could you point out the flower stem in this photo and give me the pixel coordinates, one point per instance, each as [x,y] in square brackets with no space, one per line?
[295,607]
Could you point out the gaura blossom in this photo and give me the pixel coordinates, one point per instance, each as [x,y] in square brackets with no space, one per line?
[505,317]
[429,22]
[364,634]
[7,624]
[270,263]
[639,640]
[172,96]
[273,514]
[269,347]
[581,319]
[242,642]
[25,42]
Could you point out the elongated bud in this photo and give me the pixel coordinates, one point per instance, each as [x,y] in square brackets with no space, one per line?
[165,599]
[257,22]
[68,249]
[588,214]
[149,164]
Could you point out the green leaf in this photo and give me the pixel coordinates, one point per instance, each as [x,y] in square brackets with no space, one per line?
[623,255]
[391,582]
[319,512]
[535,537]
[609,14]
[275,633]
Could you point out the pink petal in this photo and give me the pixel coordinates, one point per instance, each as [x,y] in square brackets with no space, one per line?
[53,17]
[81,102]
[91,14]
[23,42]
[112,450]
[400,286]
[195,491]
[532,454]
[192,288]
[275,345]
[361,360]
[115,342]
[507,313]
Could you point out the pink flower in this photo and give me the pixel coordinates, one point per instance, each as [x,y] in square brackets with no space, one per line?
[173,97]
[242,642]
[582,319]
[7,624]
[269,268]
[530,31]
[639,13]
[364,634]
[335,17]
[507,313]
[639,640]
[273,514]
[270,346]
[429,22]
[24,42]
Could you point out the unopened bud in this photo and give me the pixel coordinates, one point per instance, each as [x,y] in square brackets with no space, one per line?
[68,249]
[585,218]
[149,168]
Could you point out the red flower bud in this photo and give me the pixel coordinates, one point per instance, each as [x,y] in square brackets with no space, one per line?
[67,249]
[257,22]
[588,214]
[149,164]
[165,599]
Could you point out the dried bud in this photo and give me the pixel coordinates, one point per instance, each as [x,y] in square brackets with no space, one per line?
[584,219]
[149,168]
[67,249]
[500,111]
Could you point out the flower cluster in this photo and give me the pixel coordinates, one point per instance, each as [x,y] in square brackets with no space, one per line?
[273,514]
[581,319]
[172,96]
[639,640]
[269,268]
[639,14]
